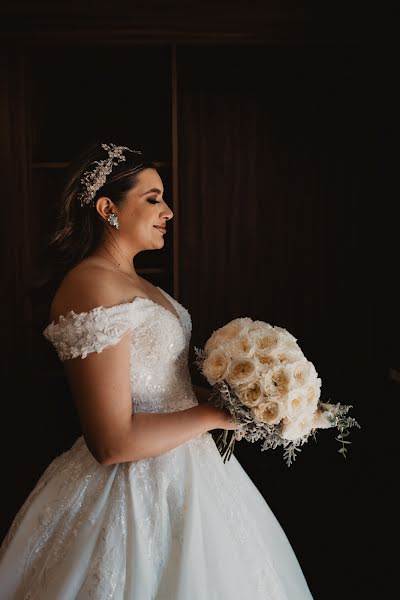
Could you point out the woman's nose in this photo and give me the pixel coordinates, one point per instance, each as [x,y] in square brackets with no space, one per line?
[168,213]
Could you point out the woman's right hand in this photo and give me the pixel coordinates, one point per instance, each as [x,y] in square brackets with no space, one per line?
[224,420]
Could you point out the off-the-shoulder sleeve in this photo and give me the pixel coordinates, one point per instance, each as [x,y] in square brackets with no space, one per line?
[78,334]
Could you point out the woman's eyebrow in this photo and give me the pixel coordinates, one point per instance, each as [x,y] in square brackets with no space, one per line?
[152,190]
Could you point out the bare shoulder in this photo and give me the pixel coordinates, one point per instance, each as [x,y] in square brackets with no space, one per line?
[87,286]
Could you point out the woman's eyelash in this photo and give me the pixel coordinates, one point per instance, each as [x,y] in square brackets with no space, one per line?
[153,201]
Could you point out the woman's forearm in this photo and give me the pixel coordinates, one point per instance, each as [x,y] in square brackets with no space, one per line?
[152,434]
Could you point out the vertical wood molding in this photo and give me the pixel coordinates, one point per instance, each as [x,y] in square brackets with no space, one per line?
[175,189]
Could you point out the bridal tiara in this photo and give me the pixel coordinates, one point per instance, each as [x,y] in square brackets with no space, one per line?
[93,180]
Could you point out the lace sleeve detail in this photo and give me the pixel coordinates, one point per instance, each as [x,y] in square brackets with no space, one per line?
[78,334]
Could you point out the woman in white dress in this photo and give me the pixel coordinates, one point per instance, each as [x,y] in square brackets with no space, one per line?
[141,507]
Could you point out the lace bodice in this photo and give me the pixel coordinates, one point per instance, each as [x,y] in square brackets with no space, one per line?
[159,346]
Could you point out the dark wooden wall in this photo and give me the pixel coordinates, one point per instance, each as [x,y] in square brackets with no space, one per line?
[287,215]
[277,133]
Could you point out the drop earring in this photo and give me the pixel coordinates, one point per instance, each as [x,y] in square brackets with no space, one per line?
[113,220]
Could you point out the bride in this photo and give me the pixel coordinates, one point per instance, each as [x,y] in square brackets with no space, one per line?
[141,507]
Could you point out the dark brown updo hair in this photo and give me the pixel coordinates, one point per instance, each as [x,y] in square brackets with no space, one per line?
[79,229]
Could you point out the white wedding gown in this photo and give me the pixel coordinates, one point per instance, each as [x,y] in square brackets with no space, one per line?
[179,526]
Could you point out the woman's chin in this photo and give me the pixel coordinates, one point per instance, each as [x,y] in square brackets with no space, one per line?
[156,246]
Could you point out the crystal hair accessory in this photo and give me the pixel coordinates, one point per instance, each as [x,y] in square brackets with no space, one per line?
[93,180]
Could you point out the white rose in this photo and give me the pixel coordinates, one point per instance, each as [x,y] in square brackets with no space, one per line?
[240,346]
[266,361]
[251,395]
[313,371]
[280,378]
[245,323]
[285,335]
[270,390]
[313,394]
[242,371]
[286,355]
[264,336]
[296,404]
[258,327]
[216,366]
[299,373]
[270,412]
[212,344]
[293,430]
[223,334]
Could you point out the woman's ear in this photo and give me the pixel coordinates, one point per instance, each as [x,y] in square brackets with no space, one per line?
[105,206]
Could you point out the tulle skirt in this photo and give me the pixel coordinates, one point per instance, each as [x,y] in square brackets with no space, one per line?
[180,526]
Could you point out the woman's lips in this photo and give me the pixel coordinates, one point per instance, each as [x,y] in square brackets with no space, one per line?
[163,229]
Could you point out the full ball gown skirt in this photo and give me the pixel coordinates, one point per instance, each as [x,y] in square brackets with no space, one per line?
[179,526]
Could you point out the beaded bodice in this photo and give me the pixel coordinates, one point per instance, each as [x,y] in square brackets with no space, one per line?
[159,348]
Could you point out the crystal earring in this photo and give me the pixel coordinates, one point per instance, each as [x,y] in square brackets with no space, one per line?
[113,220]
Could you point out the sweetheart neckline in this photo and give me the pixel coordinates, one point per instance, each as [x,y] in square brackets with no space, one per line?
[160,305]
[72,312]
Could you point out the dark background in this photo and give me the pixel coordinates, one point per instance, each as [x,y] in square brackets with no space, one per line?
[276,133]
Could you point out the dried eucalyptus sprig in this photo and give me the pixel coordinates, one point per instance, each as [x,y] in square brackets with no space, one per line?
[336,413]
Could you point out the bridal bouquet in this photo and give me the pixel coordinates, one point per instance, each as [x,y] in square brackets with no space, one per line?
[259,373]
